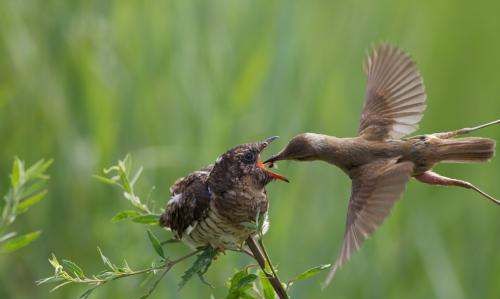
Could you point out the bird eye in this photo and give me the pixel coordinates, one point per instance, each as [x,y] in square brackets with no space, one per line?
[249,158]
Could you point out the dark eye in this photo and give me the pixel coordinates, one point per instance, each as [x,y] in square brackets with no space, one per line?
[249,158]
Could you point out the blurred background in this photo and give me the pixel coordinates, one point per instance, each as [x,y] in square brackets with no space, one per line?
[176,83]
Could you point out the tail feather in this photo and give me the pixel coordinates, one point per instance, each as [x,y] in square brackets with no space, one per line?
[465,150]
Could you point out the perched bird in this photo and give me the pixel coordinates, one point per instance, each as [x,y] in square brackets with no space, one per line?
[379,161]
[210,207]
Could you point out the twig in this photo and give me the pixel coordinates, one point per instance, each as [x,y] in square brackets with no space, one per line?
[261,260]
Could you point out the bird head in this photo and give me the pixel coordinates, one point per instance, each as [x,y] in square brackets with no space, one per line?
[243,164]
[303,147]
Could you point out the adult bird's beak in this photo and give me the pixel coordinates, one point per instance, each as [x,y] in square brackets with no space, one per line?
[262,165]
[274,158]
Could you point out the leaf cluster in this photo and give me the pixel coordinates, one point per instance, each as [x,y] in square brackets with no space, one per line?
[27,187]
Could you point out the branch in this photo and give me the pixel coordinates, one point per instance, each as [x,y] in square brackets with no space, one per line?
[69,272]
[261,260]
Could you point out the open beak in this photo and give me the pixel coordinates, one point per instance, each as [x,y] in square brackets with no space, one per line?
[262,165]
[272,174]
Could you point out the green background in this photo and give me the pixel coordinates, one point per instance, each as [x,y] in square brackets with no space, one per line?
[176,83]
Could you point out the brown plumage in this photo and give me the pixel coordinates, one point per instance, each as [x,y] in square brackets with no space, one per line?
[211,206]
[378,161]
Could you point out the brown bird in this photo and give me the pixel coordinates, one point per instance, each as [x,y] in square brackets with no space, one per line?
[213,206]
[210,206]
[379,161]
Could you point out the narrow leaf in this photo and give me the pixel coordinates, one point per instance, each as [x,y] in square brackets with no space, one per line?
[267,288]
[28,202]
[147,219]
[104,180]
[73,267]
[156,244]
[19,242]
[125,215]
[17,173]
[311,272]
[105,260]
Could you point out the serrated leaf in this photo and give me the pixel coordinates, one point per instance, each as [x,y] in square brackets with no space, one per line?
[73,267]
[246,282]
[19,242]
[125,215]
[200,265]
[311,272]
[28,202]
[147,219]
[239,284]
[156,244]
[267,288]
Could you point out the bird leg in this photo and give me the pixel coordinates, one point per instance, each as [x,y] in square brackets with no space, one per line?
[463,131]
[432,178]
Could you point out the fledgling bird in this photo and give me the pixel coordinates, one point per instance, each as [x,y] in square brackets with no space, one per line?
[210,207]
[379,161]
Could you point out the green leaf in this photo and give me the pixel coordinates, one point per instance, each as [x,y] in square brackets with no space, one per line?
[200,265]
[147,219]
[125,215]
[28,202]
[239,284]
[246,282]
[73,267]
[156,244]
[311,272]
[267,288]
[7,236]
[105,260]
[136,176]
[17,176]
[104,180]
[38,169]
[19,242]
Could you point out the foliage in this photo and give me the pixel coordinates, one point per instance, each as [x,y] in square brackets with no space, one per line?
[251,283]
[27,187]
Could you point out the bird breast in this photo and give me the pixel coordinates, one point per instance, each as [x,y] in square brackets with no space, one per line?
[218,231]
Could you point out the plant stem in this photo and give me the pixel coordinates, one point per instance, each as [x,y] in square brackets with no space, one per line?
[261,260]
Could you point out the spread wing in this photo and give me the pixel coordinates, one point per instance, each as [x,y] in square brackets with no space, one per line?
[375,189]
[189,202]
[395,95]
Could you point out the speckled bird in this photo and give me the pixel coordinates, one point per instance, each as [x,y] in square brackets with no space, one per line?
[379,160]
[213,206]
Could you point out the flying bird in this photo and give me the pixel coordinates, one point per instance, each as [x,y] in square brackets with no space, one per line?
[379,161]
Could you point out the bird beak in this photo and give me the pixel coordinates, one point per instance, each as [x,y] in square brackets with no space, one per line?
[262,165]
[274,158]
[272,174]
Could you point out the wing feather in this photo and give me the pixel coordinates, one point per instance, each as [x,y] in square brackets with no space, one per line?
[375,189]
[395,95]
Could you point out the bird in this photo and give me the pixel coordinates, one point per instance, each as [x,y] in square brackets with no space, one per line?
[381,160]
[210,206]
[219,206]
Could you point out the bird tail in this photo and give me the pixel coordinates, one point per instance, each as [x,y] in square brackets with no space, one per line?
[466,150]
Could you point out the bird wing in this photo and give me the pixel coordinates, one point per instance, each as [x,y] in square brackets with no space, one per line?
[189,202]
[375,189]
[395,95]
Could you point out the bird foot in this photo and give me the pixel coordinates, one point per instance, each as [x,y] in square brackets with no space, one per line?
[432,178]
